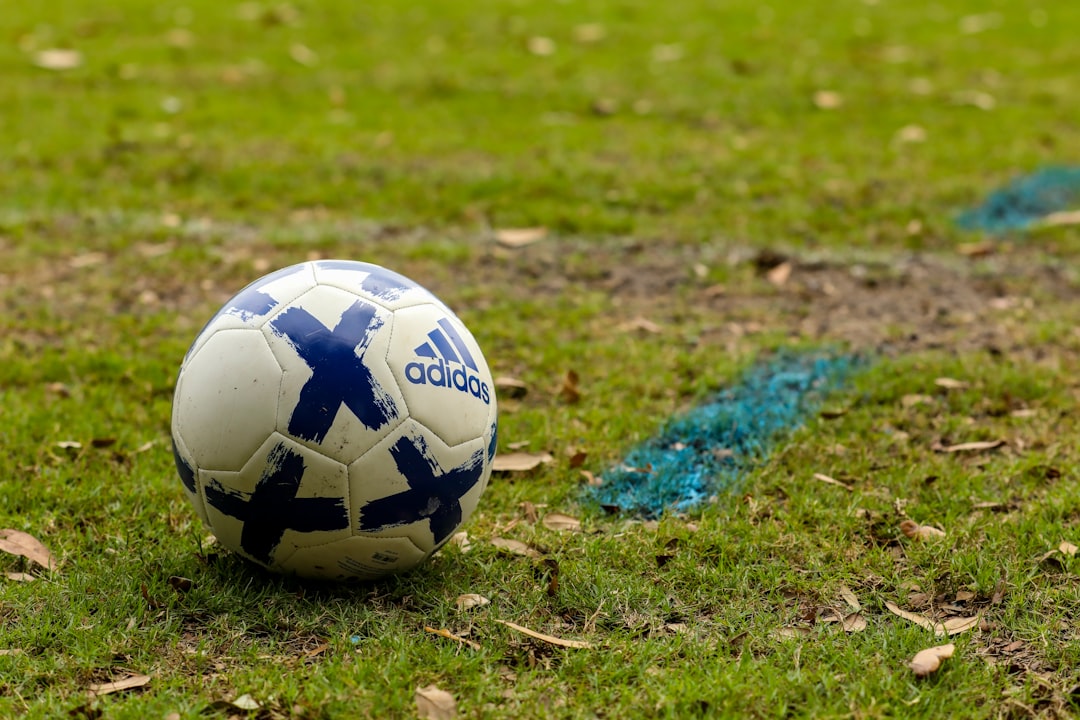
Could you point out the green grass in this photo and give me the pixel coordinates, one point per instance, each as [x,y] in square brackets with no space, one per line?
[191,152]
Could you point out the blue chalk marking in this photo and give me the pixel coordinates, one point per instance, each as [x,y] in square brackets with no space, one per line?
[708,449]
[1026,201]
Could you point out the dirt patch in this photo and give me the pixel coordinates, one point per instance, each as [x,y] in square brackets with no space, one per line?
[883,304]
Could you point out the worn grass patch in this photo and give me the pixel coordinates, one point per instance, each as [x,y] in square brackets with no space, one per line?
[716,185]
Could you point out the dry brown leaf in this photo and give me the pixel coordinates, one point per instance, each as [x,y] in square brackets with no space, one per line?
[461,541]
[467,601]
[520,237]
[780,274]
[1065,217]
[920,532]
[511,387]
[957,625]
[591,480]
[443,632]
[913,400]
[971,446]
[952,626]
[516,547]
[570,391]
[854,622]
[1067,548]
[827,99]
[950,383]
[128,683]
[831,481]
[560,522]
[540,46]
[929,660]
[642,324]
[589,33]
[20,577]
[788,633]
[850,598]
[25,545]
[58,59]
[10,651]
[520,461]
[977,249]
[561,642]
[303,55]
[920,620]
[435,704]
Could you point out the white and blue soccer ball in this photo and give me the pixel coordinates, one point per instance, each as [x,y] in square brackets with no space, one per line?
[334,420]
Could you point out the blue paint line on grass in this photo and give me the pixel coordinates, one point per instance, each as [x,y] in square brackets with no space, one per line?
[1026,201]
[708,449]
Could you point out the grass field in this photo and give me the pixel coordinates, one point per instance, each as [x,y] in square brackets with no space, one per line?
[716,181]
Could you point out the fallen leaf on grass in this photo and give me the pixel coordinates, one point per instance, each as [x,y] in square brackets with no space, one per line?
[461,541]
[853,623]
[850,598]
[1056,555]
[570,390]
[520,461]
[561,642]
[977,249]
[950,383]
[970,447]
[10,651]
[246,703]
[516,547]
[641,324]
[435,704]
[827,100]
[908,401]
[780,274]
[468,601]
[957,625]
[929,660]
[831,481]
[511,387]
[520,237]
[58,59]
[25,545]
[443,632]
[789,633]
[560,522]
[920,532]
[1064,217]
[952,626]
[128,683]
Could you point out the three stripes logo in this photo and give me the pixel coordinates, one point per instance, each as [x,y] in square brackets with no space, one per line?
[446,362]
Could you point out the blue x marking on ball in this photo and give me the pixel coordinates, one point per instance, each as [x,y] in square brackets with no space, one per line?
[274,506]
[339,375]
[433,495]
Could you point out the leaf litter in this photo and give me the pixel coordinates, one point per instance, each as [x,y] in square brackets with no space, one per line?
[929,660]
[543,637]
[25,545]
[517,462]
[951,626]
[434,703]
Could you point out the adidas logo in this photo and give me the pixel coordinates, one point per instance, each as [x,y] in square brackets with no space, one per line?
[447,362]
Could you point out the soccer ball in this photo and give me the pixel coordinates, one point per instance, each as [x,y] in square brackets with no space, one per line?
[334,420]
